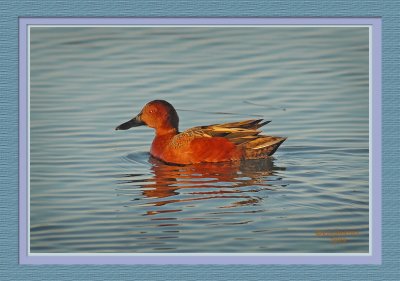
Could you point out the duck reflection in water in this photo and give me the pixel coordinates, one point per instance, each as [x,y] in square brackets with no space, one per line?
[237,183]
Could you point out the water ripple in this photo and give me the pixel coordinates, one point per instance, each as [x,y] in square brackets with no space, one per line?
[97,190]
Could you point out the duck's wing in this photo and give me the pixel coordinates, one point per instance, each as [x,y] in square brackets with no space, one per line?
[236,132]
[252,124]
[245,134]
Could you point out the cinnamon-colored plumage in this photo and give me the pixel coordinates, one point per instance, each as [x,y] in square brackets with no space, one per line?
[214,143]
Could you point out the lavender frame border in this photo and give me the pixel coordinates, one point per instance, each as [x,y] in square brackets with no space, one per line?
[375,256]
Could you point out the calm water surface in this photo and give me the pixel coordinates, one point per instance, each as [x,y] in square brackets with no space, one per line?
[93,189]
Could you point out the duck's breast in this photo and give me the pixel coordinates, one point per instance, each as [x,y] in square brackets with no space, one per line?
[172,149]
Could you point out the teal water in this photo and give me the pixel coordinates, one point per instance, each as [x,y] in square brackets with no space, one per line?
[93,189]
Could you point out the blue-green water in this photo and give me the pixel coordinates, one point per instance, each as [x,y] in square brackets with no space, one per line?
[93,189]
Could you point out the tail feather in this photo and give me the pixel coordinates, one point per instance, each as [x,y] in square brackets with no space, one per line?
[262,146]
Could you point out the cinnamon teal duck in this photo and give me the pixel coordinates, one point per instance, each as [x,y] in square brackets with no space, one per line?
[213,143]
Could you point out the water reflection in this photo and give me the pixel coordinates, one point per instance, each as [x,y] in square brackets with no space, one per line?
[237,183]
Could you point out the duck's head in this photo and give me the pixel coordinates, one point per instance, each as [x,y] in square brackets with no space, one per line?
[157,114]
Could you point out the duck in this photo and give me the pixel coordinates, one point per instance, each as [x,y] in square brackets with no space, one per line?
[227,142]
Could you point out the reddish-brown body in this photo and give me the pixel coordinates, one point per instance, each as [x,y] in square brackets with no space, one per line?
[214,143]
[174,149]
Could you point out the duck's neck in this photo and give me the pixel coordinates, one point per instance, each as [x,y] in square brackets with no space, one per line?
[166,131]
[161,141]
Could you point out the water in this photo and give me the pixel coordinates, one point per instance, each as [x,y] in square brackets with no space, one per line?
[94,189]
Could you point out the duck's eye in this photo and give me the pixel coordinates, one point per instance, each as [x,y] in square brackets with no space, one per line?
[151,110]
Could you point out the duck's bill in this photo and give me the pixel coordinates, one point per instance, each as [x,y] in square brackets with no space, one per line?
[134,122]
